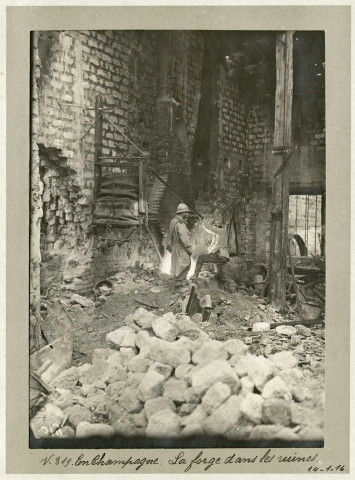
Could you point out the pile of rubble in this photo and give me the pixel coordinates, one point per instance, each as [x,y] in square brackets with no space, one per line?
[165,377]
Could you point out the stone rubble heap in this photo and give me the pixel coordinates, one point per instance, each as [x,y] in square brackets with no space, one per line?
[165,377]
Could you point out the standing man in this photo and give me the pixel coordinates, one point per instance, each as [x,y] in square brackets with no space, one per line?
[179,242]
[217,254]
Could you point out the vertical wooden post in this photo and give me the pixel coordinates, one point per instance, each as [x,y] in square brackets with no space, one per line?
[142,185]
[98,144]
[323,210]
[36,204]
[280,191]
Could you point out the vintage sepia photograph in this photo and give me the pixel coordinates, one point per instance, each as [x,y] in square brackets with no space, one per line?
[177,239]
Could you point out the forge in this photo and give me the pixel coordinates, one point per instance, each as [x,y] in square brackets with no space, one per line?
[127,125]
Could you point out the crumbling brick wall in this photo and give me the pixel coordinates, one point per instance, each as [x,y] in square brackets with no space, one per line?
[121,67]
[187,51]
[77,66]
[242,162]
[307,166]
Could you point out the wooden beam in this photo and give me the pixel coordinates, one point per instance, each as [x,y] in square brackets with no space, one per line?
[142,186]
[280,190]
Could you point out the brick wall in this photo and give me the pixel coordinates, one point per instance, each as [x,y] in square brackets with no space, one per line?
[121,67]
[187,52]
[307,166]
[242,163]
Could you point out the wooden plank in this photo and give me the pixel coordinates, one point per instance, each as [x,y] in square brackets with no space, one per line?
[113,222]
[118,164]
[280,191]
[121,158]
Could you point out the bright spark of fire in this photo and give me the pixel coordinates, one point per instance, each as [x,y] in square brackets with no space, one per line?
[192,268]
[165,265]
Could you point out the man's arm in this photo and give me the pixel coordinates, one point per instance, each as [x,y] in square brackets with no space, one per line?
[184,235]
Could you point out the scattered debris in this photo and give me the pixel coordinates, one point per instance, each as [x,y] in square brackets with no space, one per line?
[83,301]
[233,374]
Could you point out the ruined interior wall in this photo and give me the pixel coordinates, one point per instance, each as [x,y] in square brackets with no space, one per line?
[75,68]
[308,168]
[186,70]
[307,165]
[227,150]
[121,67]
[177,114]
[242,162]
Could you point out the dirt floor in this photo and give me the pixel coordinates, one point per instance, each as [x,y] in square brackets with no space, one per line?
[233,317]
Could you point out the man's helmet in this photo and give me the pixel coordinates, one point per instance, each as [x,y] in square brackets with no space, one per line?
[182,208]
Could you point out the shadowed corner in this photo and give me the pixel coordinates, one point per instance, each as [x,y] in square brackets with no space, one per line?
[195,442]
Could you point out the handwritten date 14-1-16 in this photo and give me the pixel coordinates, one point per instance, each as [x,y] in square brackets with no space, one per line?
[331,468]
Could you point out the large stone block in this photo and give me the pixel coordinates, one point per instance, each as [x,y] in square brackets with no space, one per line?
[164,328]
[276,411]
[215,396]
[130,401]
[151,386]
[167,353]
[215,371]
[114,373]
[86,429]
[224,417]
[66,379]
[293,381]
[210,351]
[276,388]
[78,414]
[175,389]
[235,346]
[128,340]
[117,336]
[251,407]
[46,421]
[165,370]
[138,364]
[197,417]
[155,405]
[284,360]
[260,371]
[243,366]
[187,327]
[183,372]
[163,424]
[143,318]
[101,354]
[142,338]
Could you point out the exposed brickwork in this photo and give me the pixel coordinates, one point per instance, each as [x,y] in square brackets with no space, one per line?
[187,52]
[121,67]
[242,162]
